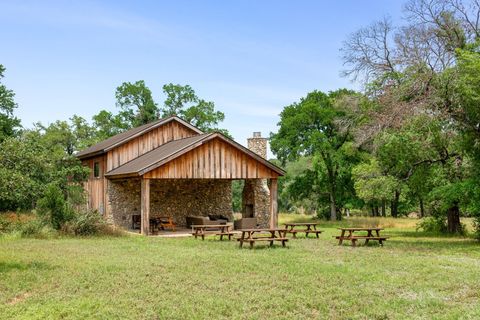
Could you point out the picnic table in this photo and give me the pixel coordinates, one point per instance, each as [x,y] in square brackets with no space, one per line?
[201,230]
[311,228]
[369,236]
[263,234]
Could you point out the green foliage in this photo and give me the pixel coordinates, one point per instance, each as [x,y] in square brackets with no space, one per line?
[136,103]
[371,184]
[183,102]
[137,107]
[35,228]
[9,124]
[53,207]
[320,126]
[84,223]
[432,224]
[237,191]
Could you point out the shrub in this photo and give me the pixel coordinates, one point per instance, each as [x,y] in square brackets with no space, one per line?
[53,207]
[87,223]
[436,225]
[6,225]
[432,224]
[82,223]
[35,228]
[476,226]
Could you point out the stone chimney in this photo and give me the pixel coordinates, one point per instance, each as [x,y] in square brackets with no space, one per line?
[256,195]
[258,144]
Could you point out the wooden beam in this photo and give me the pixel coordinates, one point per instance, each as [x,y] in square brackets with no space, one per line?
[273,203]
[145,206]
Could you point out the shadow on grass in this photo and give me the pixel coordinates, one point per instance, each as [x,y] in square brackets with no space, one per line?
[12,266]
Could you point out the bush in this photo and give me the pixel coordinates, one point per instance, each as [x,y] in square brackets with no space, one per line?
[54,208]
[436,225]
[87,223]
[432,224]
[6,225]
[35,228]
[476,226]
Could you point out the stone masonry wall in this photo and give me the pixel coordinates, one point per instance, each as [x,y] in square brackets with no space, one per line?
[177,198]
[255,192]
[257,195]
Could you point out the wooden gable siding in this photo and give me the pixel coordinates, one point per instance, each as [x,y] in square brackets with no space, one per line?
[147,142]
[215,159]
[95,187]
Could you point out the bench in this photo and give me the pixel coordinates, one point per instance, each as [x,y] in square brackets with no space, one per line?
[307,232]
[311,227]
[253,240]
[273,234]
[215,230]
[366,238]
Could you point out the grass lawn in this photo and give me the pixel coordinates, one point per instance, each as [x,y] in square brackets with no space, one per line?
[412,277]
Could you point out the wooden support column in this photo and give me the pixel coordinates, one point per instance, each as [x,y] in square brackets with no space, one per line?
[273,203]
[145,206]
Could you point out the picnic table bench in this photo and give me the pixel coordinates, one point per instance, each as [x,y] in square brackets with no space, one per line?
[201,230]
[369,236]
[269,234]
[311,228]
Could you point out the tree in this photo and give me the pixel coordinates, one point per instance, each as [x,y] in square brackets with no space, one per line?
[136,103]
[183,102]
[9,124]
[374,186]
[138,107]
[319,127]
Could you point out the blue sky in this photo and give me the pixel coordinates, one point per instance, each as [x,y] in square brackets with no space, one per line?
[251,58]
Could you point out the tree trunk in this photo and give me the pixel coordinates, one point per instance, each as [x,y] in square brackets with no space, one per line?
[394,205]
[375,211]
[422,208]
[384,210]
[453,219]
[333,207]
[372,212]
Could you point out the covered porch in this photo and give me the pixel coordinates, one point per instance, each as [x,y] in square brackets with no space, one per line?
[219,204]
[193,177]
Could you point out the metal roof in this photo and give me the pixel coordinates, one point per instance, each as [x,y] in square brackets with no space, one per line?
[173,149]
[126,136]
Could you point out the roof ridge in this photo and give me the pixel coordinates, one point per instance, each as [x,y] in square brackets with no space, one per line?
[125,136]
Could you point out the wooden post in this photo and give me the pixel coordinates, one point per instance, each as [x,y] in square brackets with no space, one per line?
[145,206]
[273,203]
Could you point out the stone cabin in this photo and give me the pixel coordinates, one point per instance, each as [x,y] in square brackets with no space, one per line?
[170,168]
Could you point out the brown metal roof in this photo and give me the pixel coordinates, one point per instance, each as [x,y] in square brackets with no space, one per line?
[126,136]
[156,155]
[173,149]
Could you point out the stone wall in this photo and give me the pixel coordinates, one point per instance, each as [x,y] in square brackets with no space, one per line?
[258,144]
[256,195]
[177,198]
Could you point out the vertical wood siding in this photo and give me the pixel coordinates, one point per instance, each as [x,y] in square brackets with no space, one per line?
[96,187]
[215,159]
[147,142]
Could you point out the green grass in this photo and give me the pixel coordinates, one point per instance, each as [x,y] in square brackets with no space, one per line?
[413,276]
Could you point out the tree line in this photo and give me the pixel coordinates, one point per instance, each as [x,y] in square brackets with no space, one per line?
[38,165]
[411,140]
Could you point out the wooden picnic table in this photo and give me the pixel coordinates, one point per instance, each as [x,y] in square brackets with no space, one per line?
[212,229]
[311,228]
[352,237]
[269,234]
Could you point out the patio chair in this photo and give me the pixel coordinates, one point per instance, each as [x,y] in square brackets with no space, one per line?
[167,222]
[136,221]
